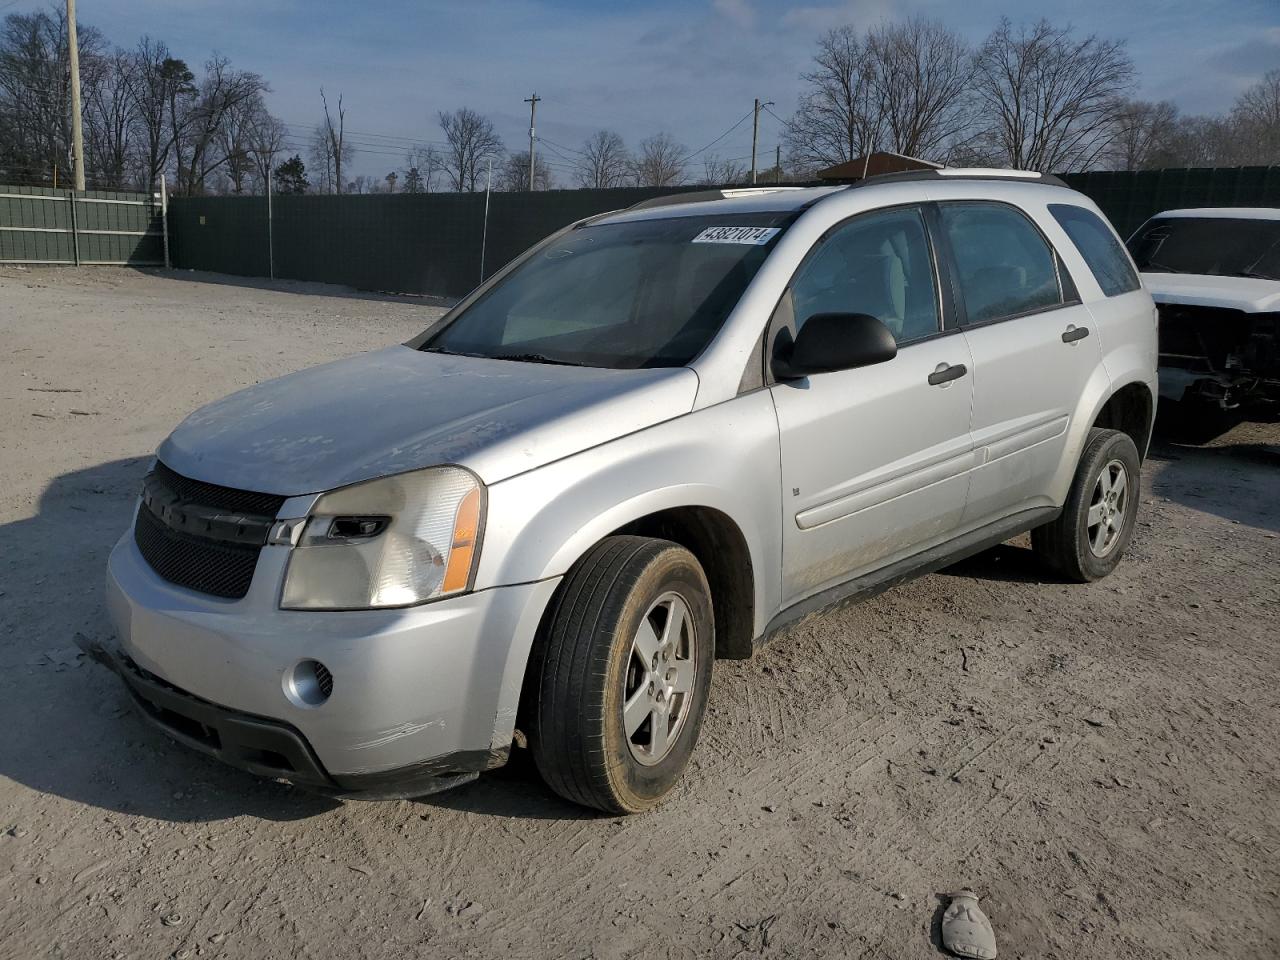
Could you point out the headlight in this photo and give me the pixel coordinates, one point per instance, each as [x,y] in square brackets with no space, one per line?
[391,542]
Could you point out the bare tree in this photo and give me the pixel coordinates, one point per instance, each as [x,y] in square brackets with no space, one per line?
[110,122]
[921,72]
[35,112]
[235,138]
[1051,101]
[603,161]
[221,93]
[180,94]
[154,71]
[1144,135]
[841,115]
[422,165]
[717,172]
[660,162]
[336,145]
[1256,117]
[513,175]
[266,142]
[472,144]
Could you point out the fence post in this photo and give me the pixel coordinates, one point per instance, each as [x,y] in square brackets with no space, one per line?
[271,237]
[75,229]
[164,219]
[484,233]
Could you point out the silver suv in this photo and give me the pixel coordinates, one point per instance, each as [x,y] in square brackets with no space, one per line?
[655,439]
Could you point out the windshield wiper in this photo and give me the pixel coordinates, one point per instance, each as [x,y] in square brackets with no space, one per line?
[523,357]
[1253,275]
[1162,267]
[536,358]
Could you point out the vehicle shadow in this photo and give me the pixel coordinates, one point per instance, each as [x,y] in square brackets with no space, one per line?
[515,790]
[305,287]
[1005,563]
[1235,478]
[71,728]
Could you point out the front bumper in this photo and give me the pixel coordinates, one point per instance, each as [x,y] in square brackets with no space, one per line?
[419,694]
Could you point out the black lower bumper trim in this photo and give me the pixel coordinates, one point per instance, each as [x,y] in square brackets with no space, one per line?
[274,749]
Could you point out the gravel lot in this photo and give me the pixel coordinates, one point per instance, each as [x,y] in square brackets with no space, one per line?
[1100,763]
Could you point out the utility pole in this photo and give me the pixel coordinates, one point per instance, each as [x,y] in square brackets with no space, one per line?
[533,108]
[777,164]
[755,135]
[77,137]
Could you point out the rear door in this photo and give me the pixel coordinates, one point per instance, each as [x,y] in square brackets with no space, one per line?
[1033,351]
[875,460]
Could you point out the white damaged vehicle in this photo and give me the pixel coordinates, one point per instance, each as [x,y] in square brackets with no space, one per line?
[1214,274]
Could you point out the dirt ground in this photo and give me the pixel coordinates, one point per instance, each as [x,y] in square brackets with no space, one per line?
[1100,763]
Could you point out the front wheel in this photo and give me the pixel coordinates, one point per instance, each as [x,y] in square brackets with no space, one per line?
[1091,534]
[621,674]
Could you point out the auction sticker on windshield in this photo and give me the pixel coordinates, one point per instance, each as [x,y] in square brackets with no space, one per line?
[750,235]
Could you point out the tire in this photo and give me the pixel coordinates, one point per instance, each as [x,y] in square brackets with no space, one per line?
[1072,546]
[586,671]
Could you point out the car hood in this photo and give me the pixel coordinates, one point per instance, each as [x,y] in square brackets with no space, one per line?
[1231,293]
[400,409]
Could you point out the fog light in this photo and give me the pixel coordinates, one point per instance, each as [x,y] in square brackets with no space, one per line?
[308,684]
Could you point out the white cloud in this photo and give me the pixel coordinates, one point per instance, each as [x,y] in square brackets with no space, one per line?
[740,12]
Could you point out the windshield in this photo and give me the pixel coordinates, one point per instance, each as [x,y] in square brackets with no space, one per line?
[1217,246]
[647,293]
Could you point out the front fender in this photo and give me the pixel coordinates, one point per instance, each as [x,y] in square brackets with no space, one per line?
[725,457]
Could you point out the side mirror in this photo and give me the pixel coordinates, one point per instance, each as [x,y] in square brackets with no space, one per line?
[833,341]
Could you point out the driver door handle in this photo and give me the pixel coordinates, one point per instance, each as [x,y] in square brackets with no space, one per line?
[1074,333]
[945,373]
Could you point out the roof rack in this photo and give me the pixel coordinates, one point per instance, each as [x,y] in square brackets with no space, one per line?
[961,173]
[906,176]
[702,196]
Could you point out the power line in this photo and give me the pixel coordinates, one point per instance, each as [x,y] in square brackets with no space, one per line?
[553,149]
[686,159]
[542,139]
[776,117]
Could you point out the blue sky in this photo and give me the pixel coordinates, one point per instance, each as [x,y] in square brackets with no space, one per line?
[690,68]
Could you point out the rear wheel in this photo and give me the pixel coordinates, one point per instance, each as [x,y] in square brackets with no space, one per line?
[621,675]
[1090,536]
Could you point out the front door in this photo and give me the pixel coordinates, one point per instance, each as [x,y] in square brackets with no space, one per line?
[875,460]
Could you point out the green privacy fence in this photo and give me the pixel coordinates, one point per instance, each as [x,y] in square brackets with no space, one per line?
[1130,197]
[43,226]
[434,243]
[430,243]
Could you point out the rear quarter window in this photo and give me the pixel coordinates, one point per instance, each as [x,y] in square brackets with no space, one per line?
[1099,248]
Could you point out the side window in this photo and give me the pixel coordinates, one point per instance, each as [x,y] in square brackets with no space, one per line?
[1005,268]
[1099,248]
[878,263]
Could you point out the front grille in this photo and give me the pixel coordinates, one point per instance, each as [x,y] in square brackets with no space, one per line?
[216,565]
[212,495]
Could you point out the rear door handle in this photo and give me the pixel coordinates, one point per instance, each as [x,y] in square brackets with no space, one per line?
[1074,333]
[945,373]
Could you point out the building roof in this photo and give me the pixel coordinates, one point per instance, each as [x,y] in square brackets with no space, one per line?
[874,165]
